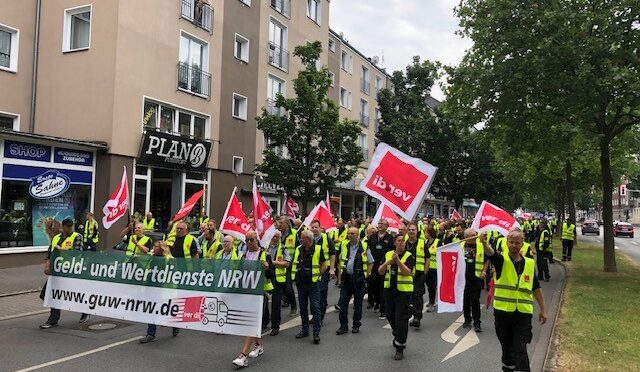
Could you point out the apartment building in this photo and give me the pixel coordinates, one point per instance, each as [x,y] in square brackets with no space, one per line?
[166,90]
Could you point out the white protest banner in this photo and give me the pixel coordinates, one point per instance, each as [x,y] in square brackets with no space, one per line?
[398,180]
[206,295]
[491,217]
[451,280]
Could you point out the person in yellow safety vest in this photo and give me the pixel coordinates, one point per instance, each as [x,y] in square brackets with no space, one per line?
[501,246]
[212,225]
[543,244]
[203,218]
[209,245]
[568,238]
[516,286]
[398,270]
[431,244]
[149,222]
[417,248]
[475,274]
[68,239]
[170,237]
[356,262]
[456,235]
[138,243]
[281,262]
[341,233]
[252,346]
[307,267]
[90,233]
[289,240]
[228,251]
[328,249]
[185,245]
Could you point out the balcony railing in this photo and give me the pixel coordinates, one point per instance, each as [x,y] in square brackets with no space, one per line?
[365,85]
[282,6]
[364,120]
[278,56]
[272,109]
[194,80]
[199,13]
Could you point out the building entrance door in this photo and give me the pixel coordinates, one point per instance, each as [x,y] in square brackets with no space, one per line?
[160,203]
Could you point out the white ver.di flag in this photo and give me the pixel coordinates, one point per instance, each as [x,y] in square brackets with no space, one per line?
[451,279]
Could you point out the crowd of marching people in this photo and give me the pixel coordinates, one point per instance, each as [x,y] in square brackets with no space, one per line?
[395,269]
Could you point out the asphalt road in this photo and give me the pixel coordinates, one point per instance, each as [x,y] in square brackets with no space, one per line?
[631,247]
[440,344]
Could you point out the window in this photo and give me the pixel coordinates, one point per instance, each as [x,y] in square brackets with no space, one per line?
[199,12]
[77,29]
[282,6]
[174,120]
[238,165]
[278,54]
[239,107]
[364,80]
[378,119]
[9,121]
[9,38]
[275,86]
[314,10]
[193,64]
[346,62]
[362,142]
[332,45]
[332,77]
[246,2]
[364,113]
[378,85]
[345,98]
[241,48]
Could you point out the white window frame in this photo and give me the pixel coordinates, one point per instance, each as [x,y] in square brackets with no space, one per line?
[271,76]
[246,2]
[176,121]
[346,65]
[348,98]
[245,48]
[15,48]
[332,45]
[332,77]
[206,51]
[234,170]
[15,117]
[246,107]
[317,11]
[66,34]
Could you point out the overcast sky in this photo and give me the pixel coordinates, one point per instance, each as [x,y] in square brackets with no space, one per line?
[402,29]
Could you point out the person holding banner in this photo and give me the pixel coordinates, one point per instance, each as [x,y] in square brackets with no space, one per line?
[228,251]
[184,245]
[431,277]
[416,247]
[379,244]
[66,240]
[137,242]
[475,274]
[209,245]
[516,287]
[398,283]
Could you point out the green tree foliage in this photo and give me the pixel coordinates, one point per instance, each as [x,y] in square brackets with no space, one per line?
[320,150]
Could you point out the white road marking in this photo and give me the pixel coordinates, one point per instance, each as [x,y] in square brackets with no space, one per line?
[468,341]
[23,314]
[449,334]
[599,241]
[634,242]
[79,355]
[617,247]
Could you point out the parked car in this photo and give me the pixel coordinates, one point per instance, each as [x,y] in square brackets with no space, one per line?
[590,227]
[623,228]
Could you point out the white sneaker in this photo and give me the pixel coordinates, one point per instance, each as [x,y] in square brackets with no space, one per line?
[241,361]
[256,351]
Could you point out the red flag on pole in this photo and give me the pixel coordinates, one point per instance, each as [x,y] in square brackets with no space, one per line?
[188,206]
[234,221]
[265,227]
[455,215]
[328,202]
[118,203]
[292,208]
[388,214]
[321,213]
[491,217]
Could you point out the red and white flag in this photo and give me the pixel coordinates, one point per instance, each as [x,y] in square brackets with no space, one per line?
[118,203]
[321,213]
[188,206]
[491,217]
[292,208]
[265,227]
[328,202]
[388,214]
[398,180]
[234,221]
[455,215]
[451,280]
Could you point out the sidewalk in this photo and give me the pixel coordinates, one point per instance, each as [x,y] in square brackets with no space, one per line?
[21,279]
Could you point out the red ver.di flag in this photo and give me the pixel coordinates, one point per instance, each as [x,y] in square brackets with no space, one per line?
[451,280]
[188,206]
[265,227]
[234,221]
[455,215]
[322,214]
[491,217]
[384,212]
[118,203]
[398,180]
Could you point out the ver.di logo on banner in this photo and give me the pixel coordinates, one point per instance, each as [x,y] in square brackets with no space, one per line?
[49,184]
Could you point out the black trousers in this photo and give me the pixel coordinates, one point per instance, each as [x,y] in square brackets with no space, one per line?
[418,294]
[309,296]
[543,265]
[353,285]
[90,246]
[471,300]
[265,311]
[289,294]
[398,309]
[567,247]
[324,291]
[431,280]
[374,286]
[514,332]
[273,312]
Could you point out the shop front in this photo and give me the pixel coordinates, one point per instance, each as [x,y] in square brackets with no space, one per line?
[44,181]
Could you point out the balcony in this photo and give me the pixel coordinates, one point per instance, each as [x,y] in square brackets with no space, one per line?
[198,12]
[365,86]
[364,120]
[272,109]
[193,80]
[282,6]
[278,56]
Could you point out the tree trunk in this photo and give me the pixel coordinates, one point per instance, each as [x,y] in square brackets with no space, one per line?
[560,205]
[571,203]
[607,207]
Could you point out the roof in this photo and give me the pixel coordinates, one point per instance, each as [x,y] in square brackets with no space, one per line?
[93,144]
[433,103]
[344,41]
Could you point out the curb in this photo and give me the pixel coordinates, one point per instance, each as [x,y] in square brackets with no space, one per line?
[550,357]
[19,293]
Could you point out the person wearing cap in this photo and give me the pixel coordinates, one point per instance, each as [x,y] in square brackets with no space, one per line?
[68,239]
[516,286]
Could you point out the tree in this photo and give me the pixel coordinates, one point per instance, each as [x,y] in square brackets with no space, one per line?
[308,148]
[574,59]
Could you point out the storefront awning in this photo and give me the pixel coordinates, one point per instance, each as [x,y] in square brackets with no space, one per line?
[14,134]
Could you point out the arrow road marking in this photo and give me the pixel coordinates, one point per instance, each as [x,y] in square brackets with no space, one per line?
[449,334]
[468,341]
